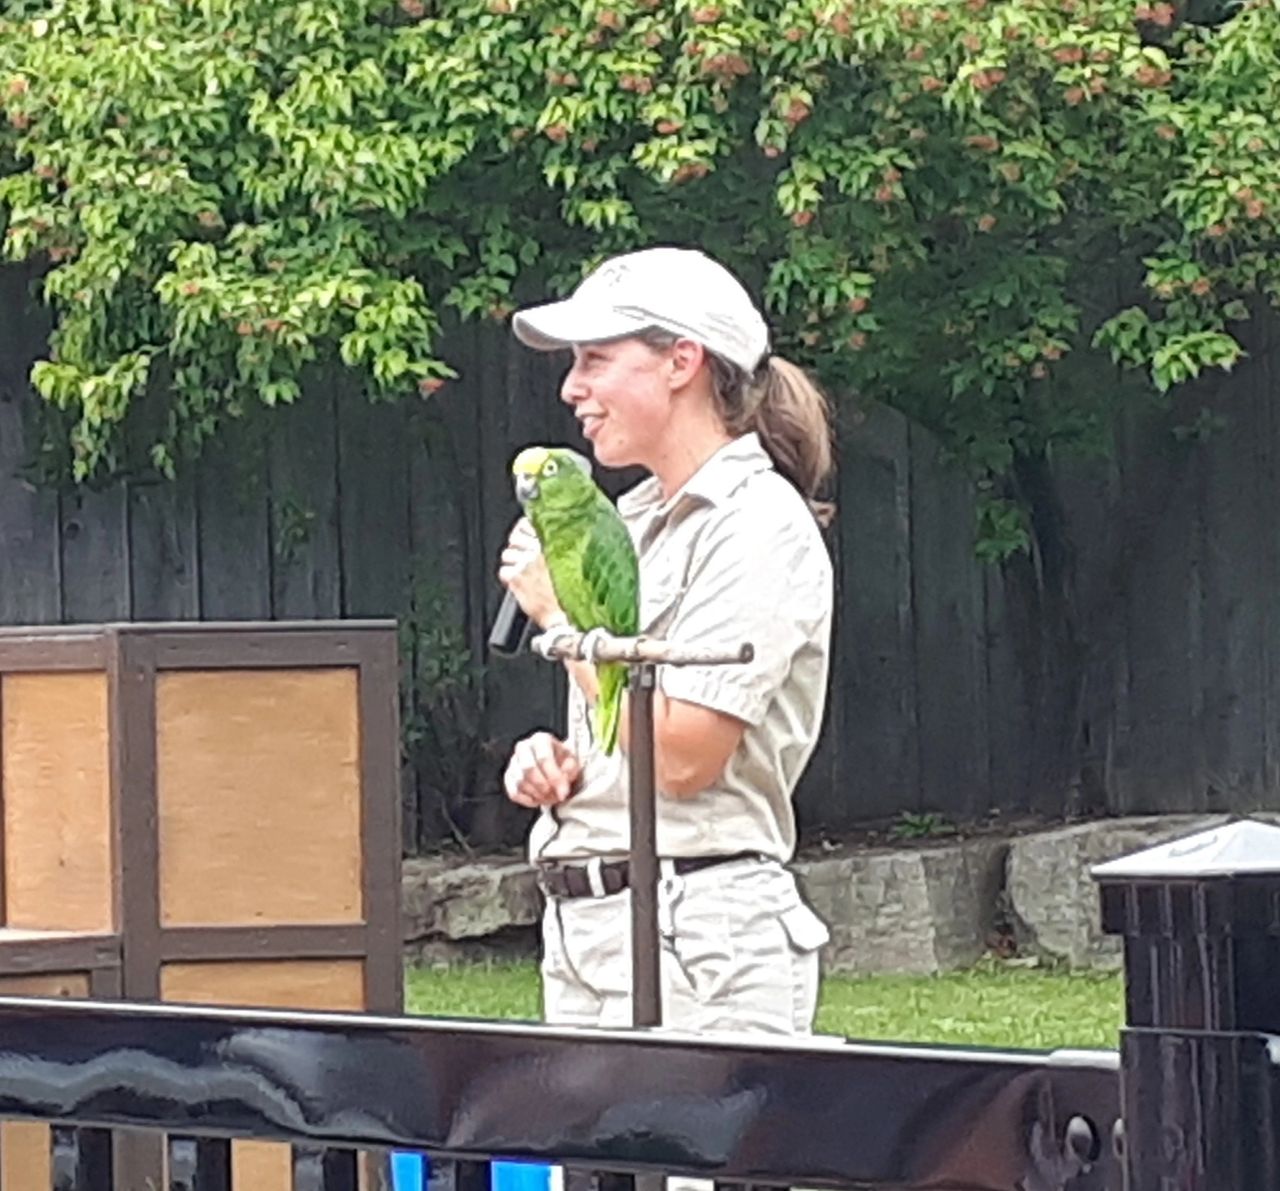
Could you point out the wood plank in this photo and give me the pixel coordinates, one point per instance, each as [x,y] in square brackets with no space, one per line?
[1157,767]
[874,665]
[163,554]
[1014,676]
[434,631]
[233,525]
[1239,512]
[306,554]
[951,694]
[464,409]
[29,562]
[1091,495]
[1264,342]
[373,482]
[95,555]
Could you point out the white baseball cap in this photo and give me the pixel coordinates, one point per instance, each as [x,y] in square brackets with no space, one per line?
[679,290]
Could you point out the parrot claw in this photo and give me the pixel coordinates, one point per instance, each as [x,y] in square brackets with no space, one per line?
[591,643]
[554,637]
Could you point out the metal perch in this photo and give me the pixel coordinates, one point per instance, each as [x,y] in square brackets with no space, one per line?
[600,647]
[643,655]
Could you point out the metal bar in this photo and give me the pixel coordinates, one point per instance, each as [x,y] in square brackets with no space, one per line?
[199,1164]
[80,1159]
[748,1109]
[322,1169]
[562,645]
[646,984]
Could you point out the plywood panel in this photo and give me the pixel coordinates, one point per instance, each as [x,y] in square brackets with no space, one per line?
[24,1154]
[45,984]
[259,797]
[265,984]
[57,810]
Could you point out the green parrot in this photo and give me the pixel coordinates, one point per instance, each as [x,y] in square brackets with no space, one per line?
[590,558]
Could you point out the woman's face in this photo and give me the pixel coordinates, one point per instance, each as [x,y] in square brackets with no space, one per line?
[620,392]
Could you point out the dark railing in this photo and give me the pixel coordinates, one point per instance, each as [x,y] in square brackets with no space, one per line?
[1190,1102]
[624,1102]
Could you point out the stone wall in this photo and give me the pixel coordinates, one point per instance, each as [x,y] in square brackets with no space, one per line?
[928,907]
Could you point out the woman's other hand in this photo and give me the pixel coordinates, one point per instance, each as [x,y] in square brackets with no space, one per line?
[542,771]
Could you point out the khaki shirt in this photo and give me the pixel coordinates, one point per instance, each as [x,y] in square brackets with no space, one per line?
[734,556]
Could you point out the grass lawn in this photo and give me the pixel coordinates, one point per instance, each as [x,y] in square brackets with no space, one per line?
[991,1005]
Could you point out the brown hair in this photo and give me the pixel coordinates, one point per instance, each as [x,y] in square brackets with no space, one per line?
[783,405]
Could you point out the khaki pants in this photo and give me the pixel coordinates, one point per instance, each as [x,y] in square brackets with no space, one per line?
[739,954]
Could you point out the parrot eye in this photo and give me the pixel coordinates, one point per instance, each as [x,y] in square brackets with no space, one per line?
[550,467]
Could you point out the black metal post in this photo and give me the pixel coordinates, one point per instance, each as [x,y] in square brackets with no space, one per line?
[1199,1088]
[646,985]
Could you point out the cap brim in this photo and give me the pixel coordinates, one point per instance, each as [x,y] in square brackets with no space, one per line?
[557,325]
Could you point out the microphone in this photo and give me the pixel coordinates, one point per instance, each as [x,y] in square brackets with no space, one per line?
[511,628]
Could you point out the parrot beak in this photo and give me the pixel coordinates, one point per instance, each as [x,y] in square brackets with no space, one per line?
[526,488]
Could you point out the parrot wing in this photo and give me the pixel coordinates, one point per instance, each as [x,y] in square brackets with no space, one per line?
[611,574]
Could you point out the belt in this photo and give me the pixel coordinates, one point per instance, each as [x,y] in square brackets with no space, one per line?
[601,878]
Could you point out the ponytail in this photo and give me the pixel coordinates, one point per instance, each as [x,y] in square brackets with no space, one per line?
[783,405]
[793,419]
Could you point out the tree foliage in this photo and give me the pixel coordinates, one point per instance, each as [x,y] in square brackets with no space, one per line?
[957,208]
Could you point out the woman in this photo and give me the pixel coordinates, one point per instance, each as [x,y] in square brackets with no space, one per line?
[671,372]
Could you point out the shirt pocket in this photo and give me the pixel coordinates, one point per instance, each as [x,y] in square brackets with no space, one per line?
[660,595]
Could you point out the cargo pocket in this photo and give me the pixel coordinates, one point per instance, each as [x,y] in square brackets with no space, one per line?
[805,930]
[807,934]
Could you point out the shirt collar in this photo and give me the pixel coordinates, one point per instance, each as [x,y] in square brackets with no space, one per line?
[713,482]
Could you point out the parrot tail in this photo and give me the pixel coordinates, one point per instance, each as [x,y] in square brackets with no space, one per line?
[613,678]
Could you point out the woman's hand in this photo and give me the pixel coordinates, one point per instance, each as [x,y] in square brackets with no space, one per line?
[542,771]
[523,571]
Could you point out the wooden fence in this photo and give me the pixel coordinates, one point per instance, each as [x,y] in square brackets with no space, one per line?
[1131,664]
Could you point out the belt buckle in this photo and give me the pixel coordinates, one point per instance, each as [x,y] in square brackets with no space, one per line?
[542,877]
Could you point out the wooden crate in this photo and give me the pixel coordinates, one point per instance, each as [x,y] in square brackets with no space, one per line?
[204,813]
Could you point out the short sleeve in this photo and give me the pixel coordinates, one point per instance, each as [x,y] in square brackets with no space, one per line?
[764,580]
